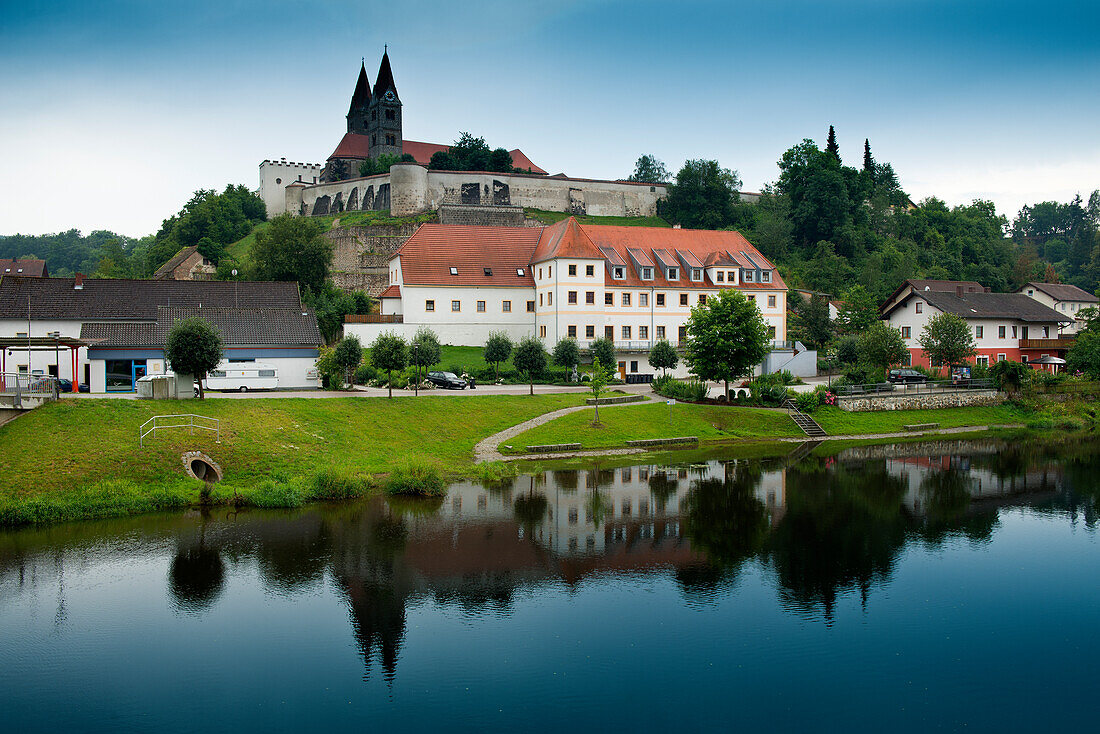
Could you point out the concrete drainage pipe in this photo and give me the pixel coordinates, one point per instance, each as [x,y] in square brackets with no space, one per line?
[201,467]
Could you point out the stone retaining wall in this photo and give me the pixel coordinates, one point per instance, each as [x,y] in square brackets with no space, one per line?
[918,401]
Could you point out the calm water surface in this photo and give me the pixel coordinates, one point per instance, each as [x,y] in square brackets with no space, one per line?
[940,585]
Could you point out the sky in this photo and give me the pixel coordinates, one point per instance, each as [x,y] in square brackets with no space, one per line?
[115,112]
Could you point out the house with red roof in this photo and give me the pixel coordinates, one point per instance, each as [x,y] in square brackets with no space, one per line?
[632,285]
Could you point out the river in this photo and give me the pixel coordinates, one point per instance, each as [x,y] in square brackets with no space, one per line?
[943,584]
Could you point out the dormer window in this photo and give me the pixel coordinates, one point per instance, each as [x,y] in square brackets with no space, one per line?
[673,273]
[765,276]
[647,273]
[488,272]
[454,271]
[721,276]
[746,276]
[519,272]
[617,272]
[696,274]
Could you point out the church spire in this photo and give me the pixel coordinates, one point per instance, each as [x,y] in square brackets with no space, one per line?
[361,96]
[384,81]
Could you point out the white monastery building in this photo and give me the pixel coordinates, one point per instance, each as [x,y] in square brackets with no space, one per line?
[632,285]
[1068,300]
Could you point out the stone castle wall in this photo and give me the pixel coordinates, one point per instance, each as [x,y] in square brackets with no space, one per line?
[485,216]
[361,255]
[919,401]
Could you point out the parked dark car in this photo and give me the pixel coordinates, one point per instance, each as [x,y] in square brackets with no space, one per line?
[446,379]
[67,386]
[906,376]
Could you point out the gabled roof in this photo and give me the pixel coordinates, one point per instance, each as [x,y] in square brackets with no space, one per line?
[355,145]
[1063,292]
[237,327]
[922,286]
[133,300]
[393,291]
[981,305]
[565,239]
[30,267]
[361,97]
[166,269]
[428,256]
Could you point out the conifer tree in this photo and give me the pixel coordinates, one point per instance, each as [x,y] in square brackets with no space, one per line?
[868,161]
[832,148]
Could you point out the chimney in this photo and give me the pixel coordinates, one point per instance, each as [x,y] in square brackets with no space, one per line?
[676,226]
[78,282]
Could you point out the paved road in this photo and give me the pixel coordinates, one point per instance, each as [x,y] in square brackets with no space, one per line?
[378,392]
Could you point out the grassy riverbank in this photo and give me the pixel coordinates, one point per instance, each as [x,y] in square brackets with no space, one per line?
[81,458]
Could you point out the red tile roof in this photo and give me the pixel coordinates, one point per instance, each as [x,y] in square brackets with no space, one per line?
[24,266]
[565,239]
[394,291]
[428,256]
[354,145]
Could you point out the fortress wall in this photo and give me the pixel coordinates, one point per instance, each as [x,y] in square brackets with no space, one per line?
[354,194]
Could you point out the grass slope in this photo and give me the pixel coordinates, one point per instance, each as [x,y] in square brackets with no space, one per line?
[837,422]
[547,217]
[81,458]
[621,424]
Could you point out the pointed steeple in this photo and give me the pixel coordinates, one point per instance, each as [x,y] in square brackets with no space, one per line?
[384,81]
[361,97]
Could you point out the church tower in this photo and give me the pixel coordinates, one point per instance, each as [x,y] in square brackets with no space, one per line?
[359,112]
[384,125]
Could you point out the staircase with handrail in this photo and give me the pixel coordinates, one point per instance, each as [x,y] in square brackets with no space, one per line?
[808,425]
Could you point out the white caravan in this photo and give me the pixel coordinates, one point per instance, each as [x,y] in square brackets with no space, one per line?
[242,376]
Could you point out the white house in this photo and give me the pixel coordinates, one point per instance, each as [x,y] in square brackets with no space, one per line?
[1068,300]
[1005,325]
[633,285]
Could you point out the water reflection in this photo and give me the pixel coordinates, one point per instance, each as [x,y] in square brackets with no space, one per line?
[820,527]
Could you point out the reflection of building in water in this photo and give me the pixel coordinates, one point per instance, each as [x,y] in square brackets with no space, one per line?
[928,478]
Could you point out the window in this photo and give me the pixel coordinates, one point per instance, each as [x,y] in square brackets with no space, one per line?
[682,334]
[771,332]
[982,360]
[481,306]
[1023,358]
[488,272]
[660,299]
[626,299]
[643,299]
[572,331]
[1023,332]
[643,332]
[979,331]
[696,274]
[590,332]
[519,272]
[589,270]
[590,297]
[660,332]
[752,298]
[673,274]
[572,269]
[279,181]
[572,298]
[1000,332]
[731,276]
[373,116]
[506,306]
[456,305]
[633,365]
[454,271]
[429,305]
[746,276]
[626,332]
[266,373]
[771,301]
[907,360]
[540,273]
[647,273]
[609,332]
[720,277]
[683,299]
[391,140]
[618,273]
[540,300]
[765,276]
[390,114]
[1046,332]
[919,307]
[1001,357]
[702,298]
[550,298]
[530,307]
[1030,292]
[542,332]
[549,271]
[609,299]
[906,332]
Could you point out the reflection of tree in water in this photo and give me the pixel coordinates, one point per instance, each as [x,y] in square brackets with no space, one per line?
[566,479]
[197,574]
[947,493]
[842,529]
[662,486]
[529,510]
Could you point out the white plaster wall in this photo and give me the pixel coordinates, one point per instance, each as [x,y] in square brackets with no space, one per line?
[1068,309]
[42,360]
[276,175]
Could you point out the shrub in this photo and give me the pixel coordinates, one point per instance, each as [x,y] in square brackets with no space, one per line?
[689,391]
[329,485]
[414,475]
[808,402]
[364,373]
[493,473]
[1068,424]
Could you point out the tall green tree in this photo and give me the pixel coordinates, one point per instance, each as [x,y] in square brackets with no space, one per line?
[648,169]
[702,197]
[947,339]
[602,349]
[831,148]
[498,348]
[663,356]
[194,348]
[566,353]
[881,345]
[858,310]
[424,350]
[381,164]
[868,161]
[598,386]
[529,360]
[348,355]
[292,248]
[389,353]
[727,338]
[811,323]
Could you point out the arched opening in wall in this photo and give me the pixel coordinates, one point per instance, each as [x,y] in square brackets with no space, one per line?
[200,466]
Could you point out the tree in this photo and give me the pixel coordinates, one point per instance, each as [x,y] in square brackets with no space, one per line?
[424,350]
[470,153]
[389,352]
[881,345]
[381,164]
[831,148]
[530,359]
[566,353]
[847,350]
[331,305]
[947,339]
[868,161]
[727,337]
[602,349]
[702,197]
[858,310]
[597,386]
[663,356]
[193,348]
[348,355]
[338,170]
[498,348]
[1010,376]
[1084,356]
[812,321]
[648,169]
[292,248]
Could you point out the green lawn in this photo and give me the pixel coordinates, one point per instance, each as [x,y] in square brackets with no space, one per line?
[468,358]
[80,458]
[547,217]
[837,422]
[620,424]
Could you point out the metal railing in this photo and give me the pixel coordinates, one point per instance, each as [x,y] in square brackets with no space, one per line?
[185,420]
[374,318]
[18,386]
[912,388]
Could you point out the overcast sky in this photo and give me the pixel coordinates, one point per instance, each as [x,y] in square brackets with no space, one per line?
[114,112]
